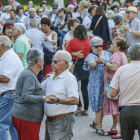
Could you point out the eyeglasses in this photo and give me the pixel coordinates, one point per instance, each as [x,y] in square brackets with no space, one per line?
[14,29]
[40,11]
[55,62]
[98,46]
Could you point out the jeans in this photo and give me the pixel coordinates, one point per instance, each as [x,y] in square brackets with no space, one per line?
[130,121]
[6,124]
[61,128]
[61,35]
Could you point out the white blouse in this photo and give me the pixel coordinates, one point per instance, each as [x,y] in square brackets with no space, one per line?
[5,16]
[23,17]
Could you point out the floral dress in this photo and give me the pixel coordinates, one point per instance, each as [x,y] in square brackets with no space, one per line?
[116,32]
[111,106]
[96,82]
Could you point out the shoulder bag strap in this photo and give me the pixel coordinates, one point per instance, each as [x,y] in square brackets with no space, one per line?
[81,50]
[98,22]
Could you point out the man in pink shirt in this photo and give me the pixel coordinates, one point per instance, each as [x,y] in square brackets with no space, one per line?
[127,81]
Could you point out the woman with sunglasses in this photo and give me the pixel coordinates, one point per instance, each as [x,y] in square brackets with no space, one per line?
[118,59]
[96,81]
[40,12]
[79,48]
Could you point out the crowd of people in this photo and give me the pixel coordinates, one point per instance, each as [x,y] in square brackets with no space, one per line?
[48,56]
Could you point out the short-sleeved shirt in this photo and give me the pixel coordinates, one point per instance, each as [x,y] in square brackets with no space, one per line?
[21,45]
[63,86]
[75,45]
[16,20]
[130,38]
[10,67]
[127,80]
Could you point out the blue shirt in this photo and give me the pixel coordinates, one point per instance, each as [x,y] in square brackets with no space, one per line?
[16,20]
[58,21]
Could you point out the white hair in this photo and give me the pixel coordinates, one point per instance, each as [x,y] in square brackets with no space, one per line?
[32,9]
[70,6]
[115,4]
[34,21]
[122,12]
[8,6]
[94,40]
[21,27]
[111,12]
[65,56]
[5,41]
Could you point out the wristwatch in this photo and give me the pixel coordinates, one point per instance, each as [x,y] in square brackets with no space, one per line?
[104,63]
[57,101]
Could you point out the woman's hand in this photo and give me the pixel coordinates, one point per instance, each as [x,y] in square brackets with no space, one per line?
[80,54]
[15,96]
[91,36]
[46,39]
[91,64]
[99,61]
[48,75]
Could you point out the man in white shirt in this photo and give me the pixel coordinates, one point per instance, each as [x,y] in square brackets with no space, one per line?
[62,88]
[126,80]
[38,40]
[10,69]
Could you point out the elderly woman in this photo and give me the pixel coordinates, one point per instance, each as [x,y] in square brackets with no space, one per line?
[99,25]
[125,19]
[87,20]
[6,14]
[116,32]
[27,111]
[7,30]
[40,13]
[116,60]
[82,9]
[20,13]
[96,81]
[75,3]
[79,48]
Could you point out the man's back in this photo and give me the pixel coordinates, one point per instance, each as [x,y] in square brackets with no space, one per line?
[127,80]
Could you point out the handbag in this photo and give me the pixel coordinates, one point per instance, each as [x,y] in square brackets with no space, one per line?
[106,92]
[98,22]
[73,65]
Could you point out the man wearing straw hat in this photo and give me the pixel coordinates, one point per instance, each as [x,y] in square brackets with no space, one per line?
[132,28]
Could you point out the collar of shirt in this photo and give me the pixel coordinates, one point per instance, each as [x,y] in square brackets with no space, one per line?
[132,22]
[7,52]
[136,63]
[62,75]
[19,37]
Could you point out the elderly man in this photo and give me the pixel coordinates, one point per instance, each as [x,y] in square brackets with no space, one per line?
[13,17]
[10,69]
[53,15]
[21,45]
[38,40]
[138,10]
[62,88]
[32,14]
[126,80]
[132,28]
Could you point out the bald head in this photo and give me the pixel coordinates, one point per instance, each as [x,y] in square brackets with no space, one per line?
[5,41]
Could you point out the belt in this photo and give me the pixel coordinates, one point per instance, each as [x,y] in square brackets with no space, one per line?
[134,107]
[7,92]
[58,116]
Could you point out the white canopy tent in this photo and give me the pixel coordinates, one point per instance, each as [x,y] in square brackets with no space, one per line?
[61,3]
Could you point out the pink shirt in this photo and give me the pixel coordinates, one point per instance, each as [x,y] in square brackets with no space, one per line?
[127,80]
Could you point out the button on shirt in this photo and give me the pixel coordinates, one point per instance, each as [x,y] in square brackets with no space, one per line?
[11,67]
[127,80]
[37,38]
[130,38]
[63,86]
[21,45]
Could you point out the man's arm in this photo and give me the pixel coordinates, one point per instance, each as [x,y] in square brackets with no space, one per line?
[113,92]
[4,79]
[20,55]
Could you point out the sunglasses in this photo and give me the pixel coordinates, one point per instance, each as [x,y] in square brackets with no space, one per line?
[55,62]
[98,46]
[40,11]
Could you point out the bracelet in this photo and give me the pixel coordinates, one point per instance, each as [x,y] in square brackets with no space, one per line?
[104,63]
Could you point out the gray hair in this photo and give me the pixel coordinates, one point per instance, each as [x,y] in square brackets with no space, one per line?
[94,40]
[8,6]
[65,56]
[115,4]
[117,18]
[30,1]
[32,9]
[111,12]
[122,12]
[70,6]
[33,55]
[21,27]
[34,21]
[134,51]
[5,41]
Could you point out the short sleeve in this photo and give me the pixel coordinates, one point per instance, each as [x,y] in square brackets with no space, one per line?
[19,48]
[72,87]
[116,58]
[69,47]
[9,69]
[115,81]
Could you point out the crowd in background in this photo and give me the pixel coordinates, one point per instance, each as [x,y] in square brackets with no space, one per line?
[97,38]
